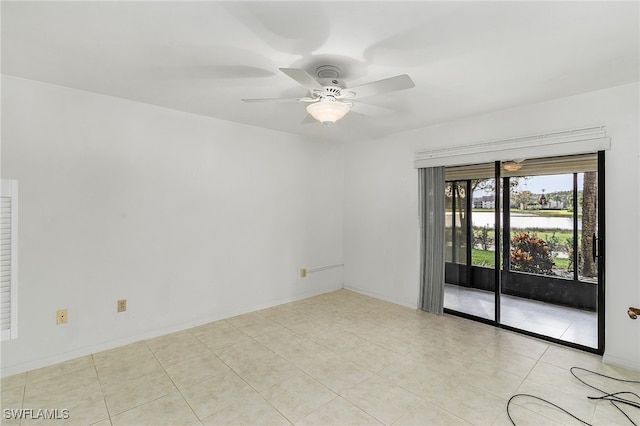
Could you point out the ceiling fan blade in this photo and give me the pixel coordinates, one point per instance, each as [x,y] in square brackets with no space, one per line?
[371,110]
[279,100]
[205,72]
[390,84]
[303,78]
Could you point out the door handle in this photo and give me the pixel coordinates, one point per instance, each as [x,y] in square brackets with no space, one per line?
[594,240]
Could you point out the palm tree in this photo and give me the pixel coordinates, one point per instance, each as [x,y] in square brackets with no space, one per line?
[589,221]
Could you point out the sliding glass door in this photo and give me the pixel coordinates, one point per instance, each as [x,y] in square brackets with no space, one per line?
[465,291]
[522,247]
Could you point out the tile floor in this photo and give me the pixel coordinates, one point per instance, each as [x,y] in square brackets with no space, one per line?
[572,325]
[336,359]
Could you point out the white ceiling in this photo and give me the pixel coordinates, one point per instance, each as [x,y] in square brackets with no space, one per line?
[465,58]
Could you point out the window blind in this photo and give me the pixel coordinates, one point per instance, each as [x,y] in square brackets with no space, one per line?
[8,259]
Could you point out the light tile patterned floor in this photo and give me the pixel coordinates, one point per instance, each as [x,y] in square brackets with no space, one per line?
[335,359]
[561,322]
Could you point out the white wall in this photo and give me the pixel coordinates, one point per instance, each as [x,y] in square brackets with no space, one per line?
[381,201]
[189,218]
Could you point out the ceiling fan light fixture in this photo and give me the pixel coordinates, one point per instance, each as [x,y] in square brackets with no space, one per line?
[328,112]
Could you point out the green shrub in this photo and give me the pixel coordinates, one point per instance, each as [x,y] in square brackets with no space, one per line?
[553,242]
[481,236]
[529,253]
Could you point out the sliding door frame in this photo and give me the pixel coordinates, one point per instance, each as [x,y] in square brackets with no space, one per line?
[502,257]
[601,251]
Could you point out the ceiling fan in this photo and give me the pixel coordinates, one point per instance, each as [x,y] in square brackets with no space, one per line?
[329,97]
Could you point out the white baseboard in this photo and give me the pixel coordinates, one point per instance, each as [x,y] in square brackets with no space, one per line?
[90,350]
[379,296]
[621,362]
[229,314]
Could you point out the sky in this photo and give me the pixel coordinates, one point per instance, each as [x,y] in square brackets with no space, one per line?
[550,183]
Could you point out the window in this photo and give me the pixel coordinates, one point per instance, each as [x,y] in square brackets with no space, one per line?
[9,260]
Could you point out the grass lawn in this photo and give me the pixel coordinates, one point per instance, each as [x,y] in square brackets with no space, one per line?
[483,258]
[546,213]
[487,258]
[561,263]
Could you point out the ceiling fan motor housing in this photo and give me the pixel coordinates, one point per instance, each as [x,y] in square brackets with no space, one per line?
[329,91]
[328,79]
[328,71]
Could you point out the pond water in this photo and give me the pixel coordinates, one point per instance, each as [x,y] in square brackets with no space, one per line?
[523,221]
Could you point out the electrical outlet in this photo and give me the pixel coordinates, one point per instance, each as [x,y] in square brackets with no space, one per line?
[303,273]
[122,305]
[62,317]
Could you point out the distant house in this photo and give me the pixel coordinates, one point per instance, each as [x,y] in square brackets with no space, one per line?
[484,202]
[557,205]
[548,204]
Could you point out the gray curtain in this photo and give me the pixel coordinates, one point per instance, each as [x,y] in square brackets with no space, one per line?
[432,215]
